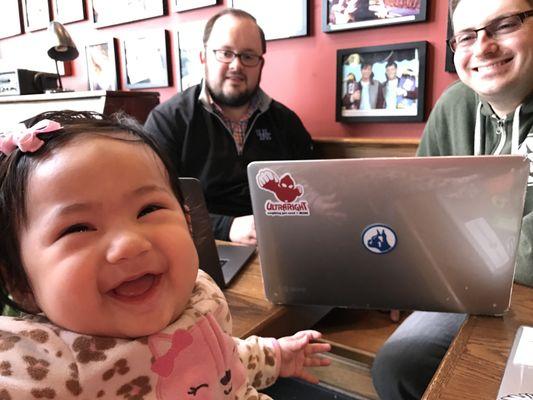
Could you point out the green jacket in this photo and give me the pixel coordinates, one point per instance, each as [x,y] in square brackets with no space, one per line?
[451,131]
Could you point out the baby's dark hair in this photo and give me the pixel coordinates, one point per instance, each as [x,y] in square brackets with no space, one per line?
[16,167]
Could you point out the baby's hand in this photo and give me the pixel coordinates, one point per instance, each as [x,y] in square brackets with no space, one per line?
[298,352]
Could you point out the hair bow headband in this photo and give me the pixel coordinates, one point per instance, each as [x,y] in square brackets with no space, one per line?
[26,138]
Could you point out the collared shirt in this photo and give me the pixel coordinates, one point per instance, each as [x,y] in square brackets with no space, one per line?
[237,128]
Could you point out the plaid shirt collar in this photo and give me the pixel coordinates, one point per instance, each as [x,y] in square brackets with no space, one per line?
[260,101]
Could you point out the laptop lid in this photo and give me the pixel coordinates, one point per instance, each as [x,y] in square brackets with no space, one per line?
[218,260]
[517,381]
[428,233]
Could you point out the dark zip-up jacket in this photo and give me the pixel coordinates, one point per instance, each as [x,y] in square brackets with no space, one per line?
[200,145]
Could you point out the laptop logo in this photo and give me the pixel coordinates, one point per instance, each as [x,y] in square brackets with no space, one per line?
[286,191]
[379,239]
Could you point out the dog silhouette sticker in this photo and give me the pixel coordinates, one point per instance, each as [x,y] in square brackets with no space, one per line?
[379,239]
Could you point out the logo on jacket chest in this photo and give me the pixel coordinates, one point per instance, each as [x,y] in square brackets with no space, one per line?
[526,149]
[264,135]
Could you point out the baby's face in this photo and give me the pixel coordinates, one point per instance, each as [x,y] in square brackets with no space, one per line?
[106,247]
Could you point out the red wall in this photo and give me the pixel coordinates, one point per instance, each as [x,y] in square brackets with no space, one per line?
[300,72]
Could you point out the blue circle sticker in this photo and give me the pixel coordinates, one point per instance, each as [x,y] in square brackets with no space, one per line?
[379,239]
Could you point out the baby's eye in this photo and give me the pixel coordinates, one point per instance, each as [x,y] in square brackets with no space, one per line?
[76,228]
[149,209]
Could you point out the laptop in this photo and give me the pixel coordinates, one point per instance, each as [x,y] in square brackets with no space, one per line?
[517,381]
[221,261]
[427,233]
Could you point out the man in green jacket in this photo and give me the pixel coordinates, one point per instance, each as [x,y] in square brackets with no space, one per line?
[490,111]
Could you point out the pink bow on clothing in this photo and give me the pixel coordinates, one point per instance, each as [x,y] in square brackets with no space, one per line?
[163,365]
[26,138]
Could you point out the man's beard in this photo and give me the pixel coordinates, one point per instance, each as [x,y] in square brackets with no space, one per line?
[233,100]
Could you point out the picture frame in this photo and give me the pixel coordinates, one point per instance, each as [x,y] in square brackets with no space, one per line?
[67,11]
[101,64]
[36,14]
[10,19]
[186,5]
[381,83]
[189,44]
[341,15]
[107,13]
[145,60]
[279,19]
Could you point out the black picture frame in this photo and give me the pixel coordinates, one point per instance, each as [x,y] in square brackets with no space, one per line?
[186,5]
[341,15]
[11,23]
[146,62]
[279,19]
[67,11]
[36,14]
[381,100]
[102,65]
[188,45]
[115,12]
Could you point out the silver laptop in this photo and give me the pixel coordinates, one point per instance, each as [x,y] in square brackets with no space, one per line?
[517,381]
[221,261]
[431,233]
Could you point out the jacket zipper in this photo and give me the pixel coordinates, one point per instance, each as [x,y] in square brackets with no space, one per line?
[502,133]
[239,153]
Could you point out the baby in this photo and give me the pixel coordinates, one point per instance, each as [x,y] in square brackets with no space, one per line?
[95,250]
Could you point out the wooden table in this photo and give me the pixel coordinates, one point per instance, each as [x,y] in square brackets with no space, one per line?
[474,364]
[253,314]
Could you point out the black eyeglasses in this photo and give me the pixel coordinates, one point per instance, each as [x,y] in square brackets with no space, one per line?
[247,59]
[499,27]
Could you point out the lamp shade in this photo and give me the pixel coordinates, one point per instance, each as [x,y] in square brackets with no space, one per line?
[62,46]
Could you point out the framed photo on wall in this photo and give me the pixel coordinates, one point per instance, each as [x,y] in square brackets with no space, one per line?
[36,14]
[189,44]
[381,83]
[102,65]
[279,19]
[340,15]
[66,11]
[186,5]
[145,60]
[114,12]
[10,19]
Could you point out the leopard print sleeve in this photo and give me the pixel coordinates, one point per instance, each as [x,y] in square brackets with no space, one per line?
[35,362]
[261,358]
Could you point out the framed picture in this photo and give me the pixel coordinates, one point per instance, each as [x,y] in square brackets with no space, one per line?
[340,15]
[189,45]
[66,11]
[186,5]
[381,83]
[102,65]
[10,19]
[107,12]
[36,14]
[145,60]
[279,19]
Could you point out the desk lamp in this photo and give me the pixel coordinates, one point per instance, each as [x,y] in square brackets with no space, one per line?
[63,47]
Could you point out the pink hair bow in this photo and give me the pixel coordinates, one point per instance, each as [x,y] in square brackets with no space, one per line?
[26,138]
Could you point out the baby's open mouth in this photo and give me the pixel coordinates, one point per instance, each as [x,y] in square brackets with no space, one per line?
[136,287]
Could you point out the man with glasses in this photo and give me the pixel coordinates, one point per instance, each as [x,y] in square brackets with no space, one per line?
[212,131]
[489,111]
